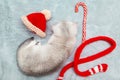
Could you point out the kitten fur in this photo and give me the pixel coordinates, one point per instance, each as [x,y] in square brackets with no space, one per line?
[34,58]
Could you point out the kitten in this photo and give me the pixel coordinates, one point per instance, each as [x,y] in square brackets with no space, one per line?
[34,58]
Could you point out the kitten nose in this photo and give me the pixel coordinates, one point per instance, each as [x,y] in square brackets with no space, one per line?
[32,38]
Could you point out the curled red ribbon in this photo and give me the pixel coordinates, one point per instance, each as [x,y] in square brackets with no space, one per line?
[77,61]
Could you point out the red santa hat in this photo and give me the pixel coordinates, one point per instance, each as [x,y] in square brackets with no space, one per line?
[36,22]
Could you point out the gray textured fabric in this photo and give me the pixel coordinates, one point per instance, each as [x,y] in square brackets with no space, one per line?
[103,19]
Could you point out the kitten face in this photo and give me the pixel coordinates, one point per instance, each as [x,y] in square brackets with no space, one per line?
[29,43]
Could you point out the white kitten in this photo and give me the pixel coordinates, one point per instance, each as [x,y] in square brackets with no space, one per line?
[34,58]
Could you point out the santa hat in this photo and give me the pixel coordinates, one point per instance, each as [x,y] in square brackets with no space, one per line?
[36,22]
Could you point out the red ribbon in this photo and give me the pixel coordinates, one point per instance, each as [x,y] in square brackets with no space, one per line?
[78,52]
[77,61]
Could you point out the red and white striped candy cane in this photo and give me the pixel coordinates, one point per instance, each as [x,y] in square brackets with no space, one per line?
[84,18]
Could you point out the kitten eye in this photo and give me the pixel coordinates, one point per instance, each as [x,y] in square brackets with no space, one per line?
[36,43]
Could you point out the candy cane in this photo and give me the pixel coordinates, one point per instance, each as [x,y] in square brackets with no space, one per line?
[77,61]
[84,18]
